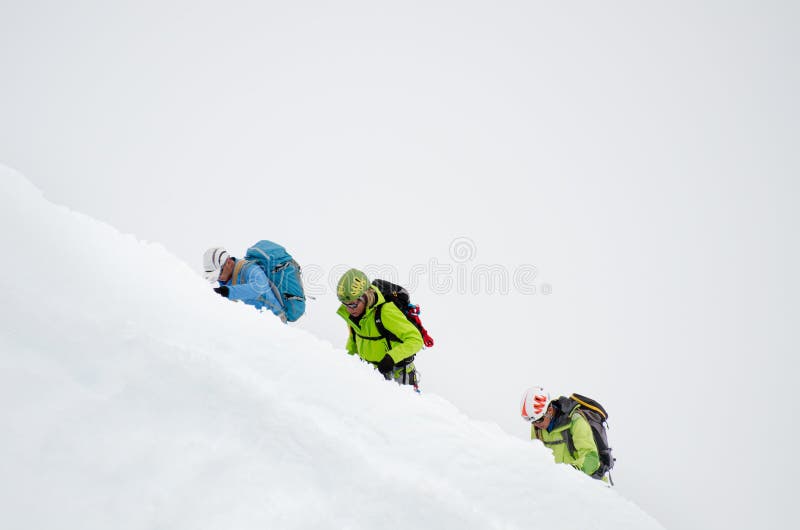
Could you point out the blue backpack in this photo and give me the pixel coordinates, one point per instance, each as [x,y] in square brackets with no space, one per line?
[284,272]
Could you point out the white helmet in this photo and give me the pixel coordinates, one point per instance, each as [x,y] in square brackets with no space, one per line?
[535,401]
[213,260]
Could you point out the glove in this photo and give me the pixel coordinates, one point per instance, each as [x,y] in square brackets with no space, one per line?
[386,365]
[222,290]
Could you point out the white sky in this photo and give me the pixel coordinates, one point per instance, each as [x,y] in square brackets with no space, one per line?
[642,156]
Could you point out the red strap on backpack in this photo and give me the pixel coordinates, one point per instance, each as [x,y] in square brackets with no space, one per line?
[427,339]
[413,315]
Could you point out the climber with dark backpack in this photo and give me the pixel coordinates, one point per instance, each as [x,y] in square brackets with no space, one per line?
[573,428]
[380,331]
[594,413]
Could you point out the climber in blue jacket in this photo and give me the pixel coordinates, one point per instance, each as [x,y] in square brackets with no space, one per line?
[241,280]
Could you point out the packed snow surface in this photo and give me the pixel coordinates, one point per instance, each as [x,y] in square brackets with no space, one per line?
[132,396]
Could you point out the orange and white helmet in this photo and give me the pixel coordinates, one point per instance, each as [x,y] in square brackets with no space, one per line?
[535,401]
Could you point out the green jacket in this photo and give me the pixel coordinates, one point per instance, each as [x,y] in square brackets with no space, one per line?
[585,456]
[365,340]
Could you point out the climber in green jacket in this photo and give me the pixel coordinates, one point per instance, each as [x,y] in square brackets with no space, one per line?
[565,432]
[362,302]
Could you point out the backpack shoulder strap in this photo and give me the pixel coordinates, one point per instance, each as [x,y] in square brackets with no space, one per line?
[354,334]
[237,269]
[566,439]
[567,435]
[385,333]
[583,413]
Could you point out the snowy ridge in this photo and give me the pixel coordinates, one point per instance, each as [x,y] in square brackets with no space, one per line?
[134,397]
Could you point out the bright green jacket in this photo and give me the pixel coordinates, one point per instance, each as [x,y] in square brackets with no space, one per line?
[365,340]
[585,456]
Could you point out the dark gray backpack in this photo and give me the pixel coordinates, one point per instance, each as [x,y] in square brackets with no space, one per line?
[594,413]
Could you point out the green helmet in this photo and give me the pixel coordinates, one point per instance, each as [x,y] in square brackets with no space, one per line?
[352,285]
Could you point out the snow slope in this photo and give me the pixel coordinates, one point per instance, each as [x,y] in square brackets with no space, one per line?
[132,396]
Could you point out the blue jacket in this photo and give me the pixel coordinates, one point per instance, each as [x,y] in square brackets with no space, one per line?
[250,285]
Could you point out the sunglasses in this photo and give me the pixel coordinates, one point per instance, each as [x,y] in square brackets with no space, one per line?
[352,305]
[542,418]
